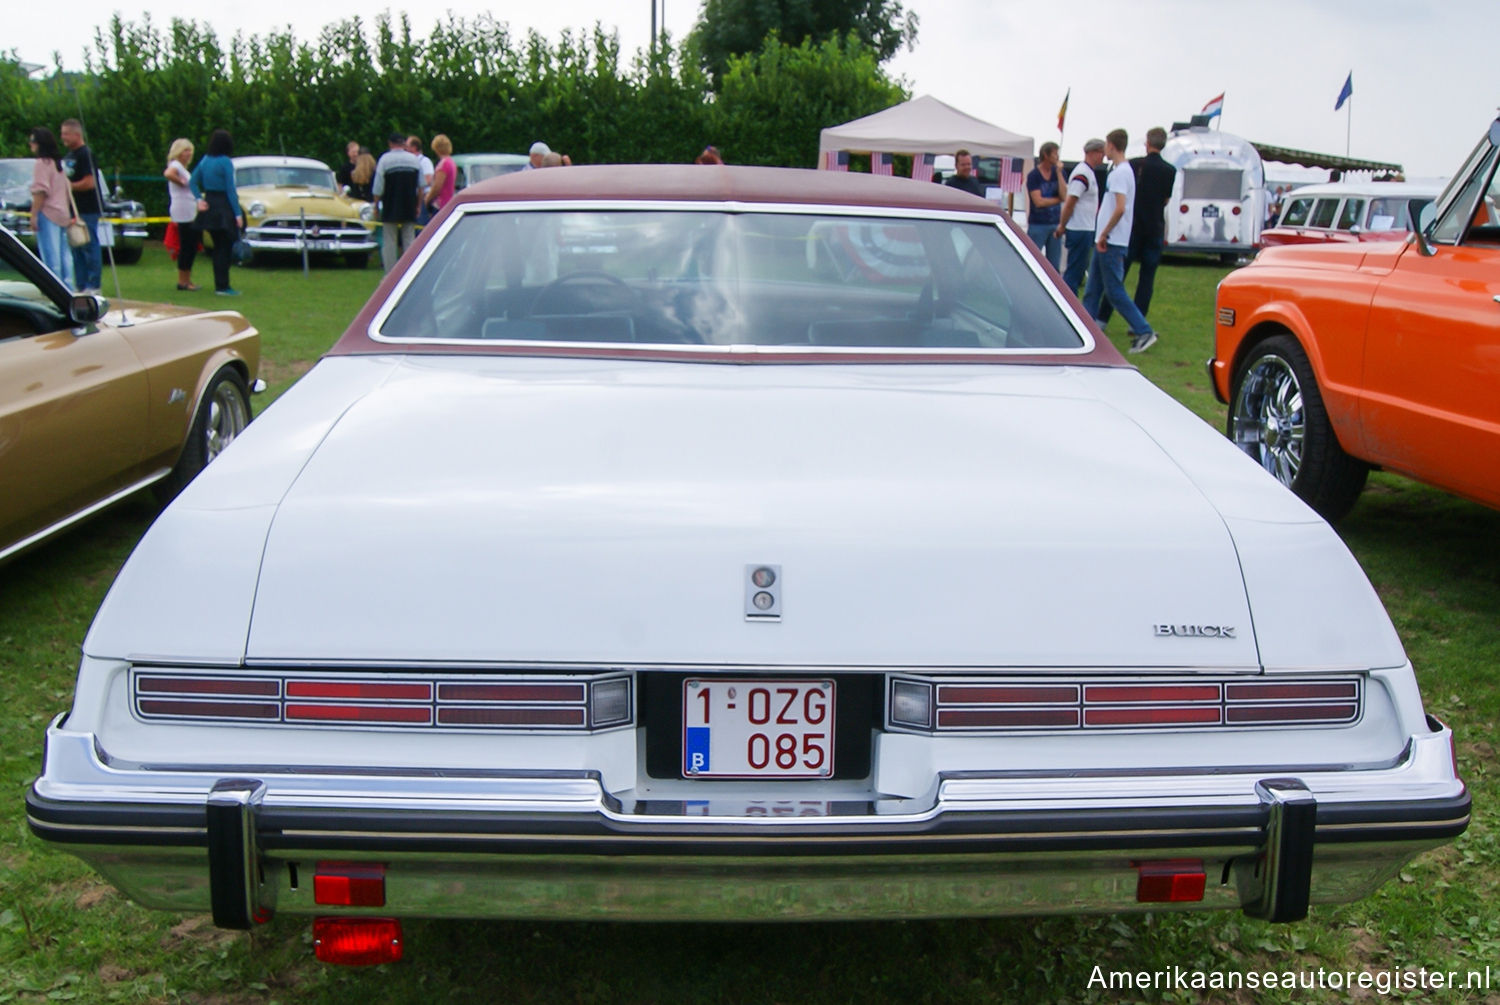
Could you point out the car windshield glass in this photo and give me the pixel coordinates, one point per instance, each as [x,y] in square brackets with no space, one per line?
[16,175]
[24,308]
[1297,213]
[714,278]
[1349,214]
[1388,214]
[479,172]
[307,177]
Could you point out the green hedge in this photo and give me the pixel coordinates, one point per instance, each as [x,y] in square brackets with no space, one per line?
[469,78]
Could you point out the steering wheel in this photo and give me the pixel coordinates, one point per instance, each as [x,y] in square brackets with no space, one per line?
[580,276]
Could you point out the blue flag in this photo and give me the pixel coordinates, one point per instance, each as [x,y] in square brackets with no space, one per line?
[1346,93]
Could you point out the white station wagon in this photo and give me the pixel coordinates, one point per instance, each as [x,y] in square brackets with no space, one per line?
[706,543]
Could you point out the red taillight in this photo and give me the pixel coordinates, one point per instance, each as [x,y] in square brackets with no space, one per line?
[991,718]
[1189,716]
[510,716]
[1014,705]
[259,688]
[357,942]
[1116,693]
[1182,208]
[586,703]
[510,692]
[1174,881]
[1235,211]
[1018,694]
[349,884]
[412,714]
[358,690]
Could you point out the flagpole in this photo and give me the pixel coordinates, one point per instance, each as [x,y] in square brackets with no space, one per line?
[1348,124]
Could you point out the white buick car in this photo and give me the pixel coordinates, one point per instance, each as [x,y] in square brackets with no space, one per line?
[736,543]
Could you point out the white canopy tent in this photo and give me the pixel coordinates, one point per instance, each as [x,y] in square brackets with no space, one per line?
[924,125]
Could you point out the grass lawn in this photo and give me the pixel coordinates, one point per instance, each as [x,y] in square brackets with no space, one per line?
[66,935]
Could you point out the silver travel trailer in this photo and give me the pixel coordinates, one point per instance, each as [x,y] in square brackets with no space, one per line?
[1218,197]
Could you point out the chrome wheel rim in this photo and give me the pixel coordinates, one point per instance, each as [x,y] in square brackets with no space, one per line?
[226,419]
[1268,421]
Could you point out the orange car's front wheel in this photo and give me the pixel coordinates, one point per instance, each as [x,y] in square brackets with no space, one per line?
[1276,415]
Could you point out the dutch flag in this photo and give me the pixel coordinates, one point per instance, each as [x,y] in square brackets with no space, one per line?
[1214,107]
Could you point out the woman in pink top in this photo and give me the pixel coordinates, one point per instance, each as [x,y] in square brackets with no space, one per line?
[440,190]
[51,212]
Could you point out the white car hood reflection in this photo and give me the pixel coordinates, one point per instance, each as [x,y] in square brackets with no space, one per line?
[535,510]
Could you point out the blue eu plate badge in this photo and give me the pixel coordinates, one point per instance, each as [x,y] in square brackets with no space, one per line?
[695,750]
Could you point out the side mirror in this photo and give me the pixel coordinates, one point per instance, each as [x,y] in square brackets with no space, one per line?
[85,309]
[346,190]
[1424,224]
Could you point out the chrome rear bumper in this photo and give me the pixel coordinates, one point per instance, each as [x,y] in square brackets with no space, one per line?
[514,845]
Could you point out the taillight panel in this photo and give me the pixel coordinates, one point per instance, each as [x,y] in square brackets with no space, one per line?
[578,703]
[974,705]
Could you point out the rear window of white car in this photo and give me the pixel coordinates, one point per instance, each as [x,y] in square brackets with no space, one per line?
[721,279]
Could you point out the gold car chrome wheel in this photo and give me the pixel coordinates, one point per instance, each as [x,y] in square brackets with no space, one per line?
[223,415]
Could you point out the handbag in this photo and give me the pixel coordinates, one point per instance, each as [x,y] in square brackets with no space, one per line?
[79,235]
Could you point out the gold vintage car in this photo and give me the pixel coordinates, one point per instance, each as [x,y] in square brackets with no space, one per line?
[292,203]
[98,401]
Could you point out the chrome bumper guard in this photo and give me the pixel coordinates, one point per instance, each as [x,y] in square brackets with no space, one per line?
[1259,835]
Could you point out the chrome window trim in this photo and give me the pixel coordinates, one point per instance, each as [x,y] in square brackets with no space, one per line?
[1481,160]
[734,207]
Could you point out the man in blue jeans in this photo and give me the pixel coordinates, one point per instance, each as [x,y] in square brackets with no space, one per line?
[1153,188]
[78,164]
[1112,240]
[1080,214]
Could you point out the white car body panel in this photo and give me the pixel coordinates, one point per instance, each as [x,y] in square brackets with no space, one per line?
[554,459]
[444,612]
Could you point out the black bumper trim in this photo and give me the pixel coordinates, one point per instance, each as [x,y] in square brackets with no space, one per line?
[279,829]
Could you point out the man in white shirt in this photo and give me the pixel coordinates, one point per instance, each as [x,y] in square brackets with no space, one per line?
[426,169]
[397,175]
[1112,241]
[1079,213]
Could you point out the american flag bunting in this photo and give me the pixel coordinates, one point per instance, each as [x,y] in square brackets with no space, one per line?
[1013,174]
[836,160]
[921,167]
[881,164]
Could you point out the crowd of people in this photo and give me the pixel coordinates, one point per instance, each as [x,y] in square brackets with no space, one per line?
[408,188]
[1103,217]
[65,206]
[1106,215]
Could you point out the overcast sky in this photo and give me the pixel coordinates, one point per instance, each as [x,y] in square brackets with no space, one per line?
[1426,82]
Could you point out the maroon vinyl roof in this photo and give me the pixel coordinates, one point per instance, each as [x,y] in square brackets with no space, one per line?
[699,183]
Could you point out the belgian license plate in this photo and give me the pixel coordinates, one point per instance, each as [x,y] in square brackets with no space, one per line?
[757,728]
[1210,212]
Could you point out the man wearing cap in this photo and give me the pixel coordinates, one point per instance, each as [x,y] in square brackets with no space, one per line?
[398,176]
[539,152]
[1079,211]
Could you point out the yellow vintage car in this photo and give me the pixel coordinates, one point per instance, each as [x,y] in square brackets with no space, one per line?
[294,203]
[100,400]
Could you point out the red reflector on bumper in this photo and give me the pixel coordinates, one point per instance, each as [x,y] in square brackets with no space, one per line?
[357,942]
[349,884]
[1170,882]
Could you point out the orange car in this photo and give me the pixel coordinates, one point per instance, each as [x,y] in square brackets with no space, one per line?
[98,401]
[1339,358]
